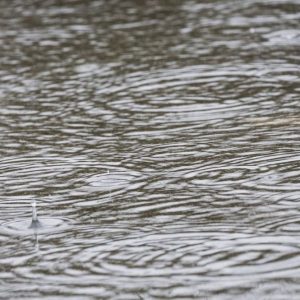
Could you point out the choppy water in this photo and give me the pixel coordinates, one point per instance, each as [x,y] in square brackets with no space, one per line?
[161,141]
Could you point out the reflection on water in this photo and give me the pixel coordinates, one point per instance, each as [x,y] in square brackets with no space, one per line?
[192,107]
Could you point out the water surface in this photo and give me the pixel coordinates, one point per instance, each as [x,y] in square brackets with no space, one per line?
[164,134]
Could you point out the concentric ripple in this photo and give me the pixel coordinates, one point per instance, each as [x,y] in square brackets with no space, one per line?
[111,181]
[26,226]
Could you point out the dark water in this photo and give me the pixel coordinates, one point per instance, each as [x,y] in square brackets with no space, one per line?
[161,141]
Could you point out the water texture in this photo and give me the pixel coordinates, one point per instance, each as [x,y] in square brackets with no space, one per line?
[161,142]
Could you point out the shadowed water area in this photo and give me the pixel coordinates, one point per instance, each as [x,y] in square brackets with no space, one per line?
[161,143]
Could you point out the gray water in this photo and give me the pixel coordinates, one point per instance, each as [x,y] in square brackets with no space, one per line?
[161,142]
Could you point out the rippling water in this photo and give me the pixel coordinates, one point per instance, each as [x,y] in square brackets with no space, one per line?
[161,141]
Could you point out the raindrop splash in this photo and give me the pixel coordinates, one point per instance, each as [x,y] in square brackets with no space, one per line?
[35,223]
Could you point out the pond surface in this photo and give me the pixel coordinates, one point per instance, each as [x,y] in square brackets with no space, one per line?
[161,142]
